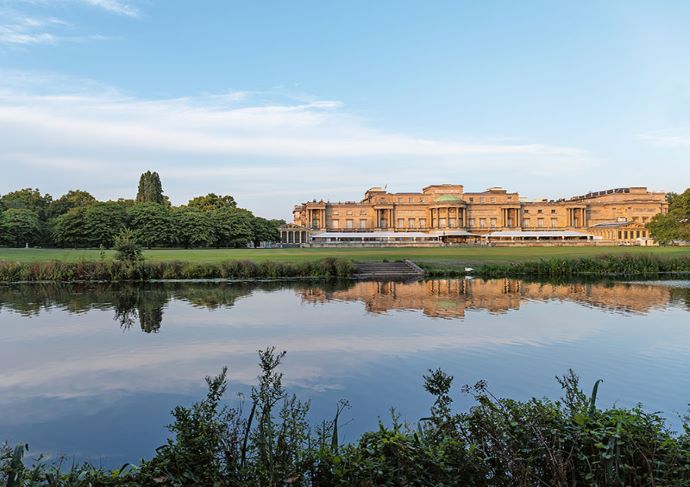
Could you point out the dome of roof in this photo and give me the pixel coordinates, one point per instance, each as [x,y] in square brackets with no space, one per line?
[447,198]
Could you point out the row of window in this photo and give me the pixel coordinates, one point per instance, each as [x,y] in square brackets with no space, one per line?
[412,223]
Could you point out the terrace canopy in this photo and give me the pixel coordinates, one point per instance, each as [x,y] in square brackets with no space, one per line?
[539,235]
[374,237]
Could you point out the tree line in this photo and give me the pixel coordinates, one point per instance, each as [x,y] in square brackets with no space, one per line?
[77,219]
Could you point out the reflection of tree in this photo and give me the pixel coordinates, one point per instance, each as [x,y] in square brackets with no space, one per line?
[144,303]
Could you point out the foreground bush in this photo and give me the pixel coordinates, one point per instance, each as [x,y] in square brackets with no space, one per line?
[139,270]
[266,441]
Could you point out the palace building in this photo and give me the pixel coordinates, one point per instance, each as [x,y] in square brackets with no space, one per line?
[445,214]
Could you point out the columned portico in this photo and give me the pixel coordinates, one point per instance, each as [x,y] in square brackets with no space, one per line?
[447,217]
[577,216]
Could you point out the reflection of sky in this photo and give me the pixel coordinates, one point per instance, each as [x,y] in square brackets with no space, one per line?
[78,384]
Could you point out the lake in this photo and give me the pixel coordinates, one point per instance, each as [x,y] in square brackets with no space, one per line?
[91,371]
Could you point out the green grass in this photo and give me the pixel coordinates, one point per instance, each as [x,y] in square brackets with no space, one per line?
[445,256]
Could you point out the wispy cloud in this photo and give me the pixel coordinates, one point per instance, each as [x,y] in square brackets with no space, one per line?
[29,30]
[243,142]
[668,138]
[114,6]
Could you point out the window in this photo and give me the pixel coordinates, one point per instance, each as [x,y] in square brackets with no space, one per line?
[401,222]
[481,199]
[493,223]
[540,211]
[482,223]
[422,223]
[540,222]
[526,212]
[442,222]
[421,200]
[410,223]
[349,212]
[554,222]
[410,199]
[362,212]
[525,222]
[493,200]
[362,224]
[471,222]
[335,213]
[553,212]
[400,199]
[510,198]
[620,235]
[335,223]
[348,223]
[471,200]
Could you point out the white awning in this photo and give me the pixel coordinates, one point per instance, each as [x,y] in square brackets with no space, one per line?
[538,234]
[373,235]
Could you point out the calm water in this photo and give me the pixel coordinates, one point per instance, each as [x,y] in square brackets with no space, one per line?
[92,371]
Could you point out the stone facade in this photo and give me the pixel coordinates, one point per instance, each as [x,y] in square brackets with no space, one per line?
[448,207]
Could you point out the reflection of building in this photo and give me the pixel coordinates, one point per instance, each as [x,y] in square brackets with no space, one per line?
[450,298]
[445,213]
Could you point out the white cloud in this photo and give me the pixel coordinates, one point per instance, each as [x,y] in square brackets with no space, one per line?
[60,129]
[115,6]
[28,31]
[669,138]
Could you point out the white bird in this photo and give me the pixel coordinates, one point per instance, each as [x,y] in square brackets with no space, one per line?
[469,269]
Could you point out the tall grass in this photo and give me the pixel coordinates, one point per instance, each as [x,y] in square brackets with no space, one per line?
[107,270]
[599,266]
[267,441]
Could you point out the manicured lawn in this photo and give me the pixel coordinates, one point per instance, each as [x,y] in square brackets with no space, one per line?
[439,256]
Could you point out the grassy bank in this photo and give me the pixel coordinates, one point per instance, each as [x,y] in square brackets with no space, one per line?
[439,256]
[495,442]
[600,266]
[111,270]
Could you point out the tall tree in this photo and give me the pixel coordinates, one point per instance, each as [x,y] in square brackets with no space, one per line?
[19,227]
[150,189]
[212,202]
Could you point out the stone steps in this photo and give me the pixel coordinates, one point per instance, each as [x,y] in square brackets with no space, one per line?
[404,269]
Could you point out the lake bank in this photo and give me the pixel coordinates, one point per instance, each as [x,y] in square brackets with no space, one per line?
[621,265]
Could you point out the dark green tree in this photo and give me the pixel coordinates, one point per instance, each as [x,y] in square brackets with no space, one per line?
[20,226]
[72,199]
[193,227]
[233,227]
[212,202]
[152,225]
[150,189]
[675,225]
[28,199]
[102,223]
[264,231]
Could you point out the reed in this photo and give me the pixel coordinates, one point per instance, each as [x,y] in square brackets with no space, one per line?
[114,270]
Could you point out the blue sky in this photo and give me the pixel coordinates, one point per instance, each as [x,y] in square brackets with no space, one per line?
[277,102]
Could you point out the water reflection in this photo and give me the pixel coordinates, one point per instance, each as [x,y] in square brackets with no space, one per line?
[144,304]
